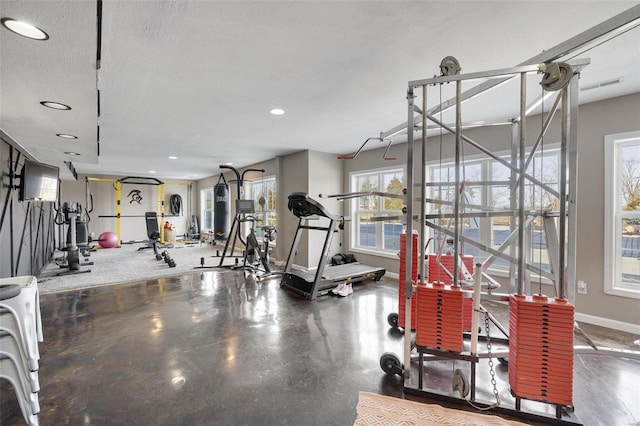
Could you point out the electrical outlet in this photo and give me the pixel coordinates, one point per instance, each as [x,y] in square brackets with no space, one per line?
[582,287]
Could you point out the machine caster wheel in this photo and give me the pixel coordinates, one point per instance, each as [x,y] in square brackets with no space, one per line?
[390,364]
[504,361]
[392,319]
[172,264]
[158,257]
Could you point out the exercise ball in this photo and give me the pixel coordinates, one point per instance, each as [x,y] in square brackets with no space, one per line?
[108,239]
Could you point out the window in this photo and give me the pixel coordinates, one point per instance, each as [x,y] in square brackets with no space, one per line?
[206,209]
[494,231]
[264,195]
[367,234]
[622,214]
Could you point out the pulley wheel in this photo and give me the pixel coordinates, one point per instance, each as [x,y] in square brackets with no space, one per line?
[460,383]
[556,75]
[449,66]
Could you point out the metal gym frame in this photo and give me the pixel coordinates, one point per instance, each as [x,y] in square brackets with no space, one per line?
[135,180]
[561,252]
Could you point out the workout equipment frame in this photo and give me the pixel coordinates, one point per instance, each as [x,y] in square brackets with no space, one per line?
[117,185]
[241,216]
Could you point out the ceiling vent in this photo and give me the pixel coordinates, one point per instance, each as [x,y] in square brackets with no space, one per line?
[601,84]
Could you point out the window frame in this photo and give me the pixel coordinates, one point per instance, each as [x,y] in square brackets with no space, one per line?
[269,211]
[354,233]
[203,208]
[613,215]
[485,226]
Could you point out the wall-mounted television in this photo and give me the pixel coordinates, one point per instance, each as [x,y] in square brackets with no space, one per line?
[39,182]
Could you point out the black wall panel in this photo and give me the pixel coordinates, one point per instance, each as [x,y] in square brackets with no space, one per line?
[27,238]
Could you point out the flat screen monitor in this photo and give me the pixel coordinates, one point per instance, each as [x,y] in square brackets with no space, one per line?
[244,206]
[39,182]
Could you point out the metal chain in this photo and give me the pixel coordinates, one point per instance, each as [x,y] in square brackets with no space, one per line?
[491,370]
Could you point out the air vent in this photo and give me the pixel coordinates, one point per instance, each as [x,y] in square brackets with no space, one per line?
[601,84]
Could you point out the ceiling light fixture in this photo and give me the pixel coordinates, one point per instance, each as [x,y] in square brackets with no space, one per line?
[66,136]
[276,111]
[172,157]
[228,164]
[24,29]
[152,171]
[75,154]
[55,105]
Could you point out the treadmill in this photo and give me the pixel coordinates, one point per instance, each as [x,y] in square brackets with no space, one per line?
[309,284]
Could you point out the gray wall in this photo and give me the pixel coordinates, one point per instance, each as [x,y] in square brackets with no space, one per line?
[325,177]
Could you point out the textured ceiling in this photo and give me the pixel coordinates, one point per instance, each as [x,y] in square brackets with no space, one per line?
[195,80]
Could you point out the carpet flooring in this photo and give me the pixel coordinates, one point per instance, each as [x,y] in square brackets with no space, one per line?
[385,410]
[127,264]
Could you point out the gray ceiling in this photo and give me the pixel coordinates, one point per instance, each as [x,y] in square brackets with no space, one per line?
[195,79]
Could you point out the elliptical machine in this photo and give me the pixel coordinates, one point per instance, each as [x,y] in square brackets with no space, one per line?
[77,237]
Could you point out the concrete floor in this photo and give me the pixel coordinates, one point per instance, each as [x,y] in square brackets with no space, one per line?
[219,348]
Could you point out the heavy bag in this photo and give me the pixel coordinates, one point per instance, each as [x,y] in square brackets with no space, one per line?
[221,209]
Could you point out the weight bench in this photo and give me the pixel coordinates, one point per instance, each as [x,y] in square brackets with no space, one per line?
[153,232]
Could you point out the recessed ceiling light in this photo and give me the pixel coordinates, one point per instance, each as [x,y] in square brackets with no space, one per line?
[24,29]
[172,157]
[276,111]
[152,171]
[72,153]
[65,136]
[228,164]
[55,105]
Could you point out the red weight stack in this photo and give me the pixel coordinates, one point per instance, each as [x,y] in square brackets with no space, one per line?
[437,274]
[402,276]
[541,349]
[440,312]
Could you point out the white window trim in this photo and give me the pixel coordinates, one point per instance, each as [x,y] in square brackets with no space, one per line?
[258,183]
[612,249]
[353,206]
[203,204]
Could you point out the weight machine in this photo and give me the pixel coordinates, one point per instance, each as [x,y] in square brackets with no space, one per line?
[440,331]
[77,237]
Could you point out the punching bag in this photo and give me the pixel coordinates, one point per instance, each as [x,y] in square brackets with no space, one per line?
[221,208]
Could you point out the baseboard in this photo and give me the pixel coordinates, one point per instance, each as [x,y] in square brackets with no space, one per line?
[608,323]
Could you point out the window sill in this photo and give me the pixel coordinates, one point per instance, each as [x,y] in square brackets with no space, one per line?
[623,292]
[373,252]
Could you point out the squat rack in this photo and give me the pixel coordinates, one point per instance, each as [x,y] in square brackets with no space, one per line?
[137,180]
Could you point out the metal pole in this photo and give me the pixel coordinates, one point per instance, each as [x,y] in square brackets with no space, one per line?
[573,189]
[521,160]
[563,195]
[118,186]
[409,240]
[423,190]
[456,205]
